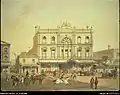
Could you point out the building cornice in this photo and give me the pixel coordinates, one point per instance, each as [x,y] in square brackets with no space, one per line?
[63,32]
[3,42]
[64,44]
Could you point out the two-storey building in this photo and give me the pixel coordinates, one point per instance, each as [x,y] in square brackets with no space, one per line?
[55,46]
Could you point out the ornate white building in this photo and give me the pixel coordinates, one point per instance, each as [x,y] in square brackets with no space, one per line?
[54,46]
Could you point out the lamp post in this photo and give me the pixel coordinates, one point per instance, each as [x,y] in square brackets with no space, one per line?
[17,63]
[15,60]
[39,64]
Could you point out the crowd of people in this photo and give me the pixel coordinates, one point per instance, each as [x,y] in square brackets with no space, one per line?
[59,76]
[30,78]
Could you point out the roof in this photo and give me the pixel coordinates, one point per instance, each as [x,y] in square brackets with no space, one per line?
[106,50]
[27,55]
[3,42]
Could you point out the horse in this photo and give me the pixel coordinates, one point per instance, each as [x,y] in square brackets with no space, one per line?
[39,78]
[66,80]
[27,80]
[57,81]
[15,80]
[61,80]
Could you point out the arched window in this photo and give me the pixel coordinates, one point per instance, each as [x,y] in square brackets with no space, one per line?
[44,52]
[5,50]
[44,37]
[79,52]
[87,52]
[87,39]
[52,39]
[53,52]
[78,39]
[44,40]
[5,57]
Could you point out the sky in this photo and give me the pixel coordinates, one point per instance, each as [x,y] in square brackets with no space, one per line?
[19,17]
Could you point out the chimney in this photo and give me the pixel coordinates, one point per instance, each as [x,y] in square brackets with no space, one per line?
[108,47]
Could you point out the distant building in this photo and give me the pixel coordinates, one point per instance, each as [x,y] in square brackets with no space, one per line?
[55,46]
[28,63]
[5,55]
[112,54]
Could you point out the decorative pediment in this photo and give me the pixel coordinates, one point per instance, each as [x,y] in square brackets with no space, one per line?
[66,25]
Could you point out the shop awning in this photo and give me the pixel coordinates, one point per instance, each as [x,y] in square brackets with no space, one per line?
[52,61]
[29,65]
[60,61]
[85,61]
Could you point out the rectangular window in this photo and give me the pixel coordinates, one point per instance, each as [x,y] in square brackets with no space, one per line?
[66,50]
[52,42]
[44,41]
[87,54]
[79,41]
[79,54]
[44,55]
[53,54]
[87,40]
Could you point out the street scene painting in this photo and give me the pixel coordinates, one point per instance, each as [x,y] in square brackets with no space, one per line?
[60,45]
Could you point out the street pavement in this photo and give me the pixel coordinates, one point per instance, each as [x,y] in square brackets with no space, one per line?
[111,83]
[81,83]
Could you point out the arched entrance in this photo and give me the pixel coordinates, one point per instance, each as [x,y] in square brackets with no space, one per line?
[66,48]
[68,65]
